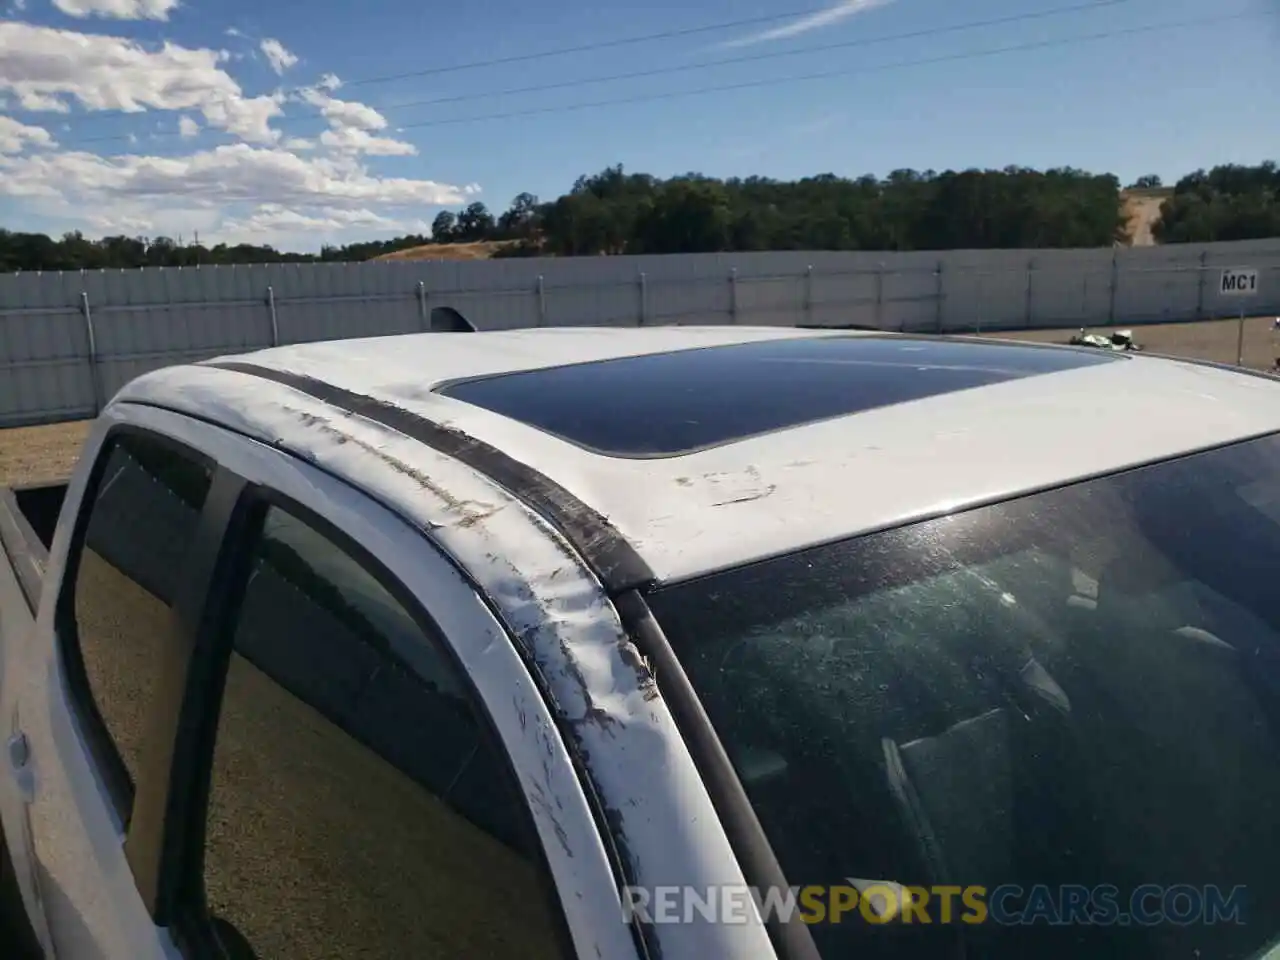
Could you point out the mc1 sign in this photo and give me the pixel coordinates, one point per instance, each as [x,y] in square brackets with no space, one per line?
[1238,282]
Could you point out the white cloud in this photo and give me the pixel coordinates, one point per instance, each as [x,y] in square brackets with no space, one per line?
[41,103]
[45,67]
[290,188]
[16,137]
[343,113]
[233,32]
[236,173]
[18,6]
[814,21]
[117,9]
[248,119]
[354,140]
[352,124]
[270,220]
[276,54]
[121,223]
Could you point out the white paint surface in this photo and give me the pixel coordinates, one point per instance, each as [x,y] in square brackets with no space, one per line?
[777,493]
[659,809]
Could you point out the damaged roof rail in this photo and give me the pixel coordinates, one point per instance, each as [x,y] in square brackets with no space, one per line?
[613,560]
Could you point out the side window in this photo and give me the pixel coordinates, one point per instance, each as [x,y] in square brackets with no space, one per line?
[120,582]
[356,804]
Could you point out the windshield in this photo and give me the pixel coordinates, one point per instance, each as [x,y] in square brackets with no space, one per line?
[1067,706]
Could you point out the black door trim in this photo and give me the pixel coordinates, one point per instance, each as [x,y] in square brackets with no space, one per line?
[176,718]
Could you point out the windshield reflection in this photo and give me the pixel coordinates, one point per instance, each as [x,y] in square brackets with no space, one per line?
[1075,691]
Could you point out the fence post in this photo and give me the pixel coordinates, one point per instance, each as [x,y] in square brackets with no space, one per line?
[424,315]
[271,313]
[808,294]
[644,299]
[542,301]
[1240,341]
[1030,308]
[733,294]
[1200,285]
[939,293]
[880,295]
[982,303]
[95,383]
[1115,286]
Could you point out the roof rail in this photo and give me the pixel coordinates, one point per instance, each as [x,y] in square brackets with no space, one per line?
[609,554]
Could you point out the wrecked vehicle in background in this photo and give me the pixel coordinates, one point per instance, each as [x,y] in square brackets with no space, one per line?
[1121,340]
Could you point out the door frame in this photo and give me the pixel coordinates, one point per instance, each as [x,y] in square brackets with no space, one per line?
[576,857]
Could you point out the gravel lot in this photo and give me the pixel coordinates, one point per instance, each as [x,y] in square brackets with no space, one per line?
[37,454]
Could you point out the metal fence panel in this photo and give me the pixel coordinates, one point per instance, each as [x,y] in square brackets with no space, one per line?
[68,341]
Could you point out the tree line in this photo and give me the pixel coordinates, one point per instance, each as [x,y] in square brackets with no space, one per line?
[1227,203]
[615,212]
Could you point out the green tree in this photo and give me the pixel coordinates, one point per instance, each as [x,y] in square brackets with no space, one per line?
[1230,202]
[444,228]
[475,223]
[520,220]
[685,216]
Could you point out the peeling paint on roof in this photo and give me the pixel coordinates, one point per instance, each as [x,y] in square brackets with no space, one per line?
[552,604]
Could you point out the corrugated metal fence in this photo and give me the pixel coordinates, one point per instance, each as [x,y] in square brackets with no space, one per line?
[68,341]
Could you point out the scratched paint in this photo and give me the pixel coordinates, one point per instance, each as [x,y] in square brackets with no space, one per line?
[744,501]
[624,735]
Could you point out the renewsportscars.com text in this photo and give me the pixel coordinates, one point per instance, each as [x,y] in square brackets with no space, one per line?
[882,903]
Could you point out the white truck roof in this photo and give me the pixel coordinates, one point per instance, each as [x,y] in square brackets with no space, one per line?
[709,447]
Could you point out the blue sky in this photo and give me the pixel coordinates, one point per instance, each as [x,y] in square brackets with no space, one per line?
[287,142]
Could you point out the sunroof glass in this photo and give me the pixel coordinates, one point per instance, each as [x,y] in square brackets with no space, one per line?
[679,402]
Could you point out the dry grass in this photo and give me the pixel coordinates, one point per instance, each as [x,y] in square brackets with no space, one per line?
[482,250]
[34,455]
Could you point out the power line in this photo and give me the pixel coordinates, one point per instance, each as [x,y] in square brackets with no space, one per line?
[829,75]
[289,123]
[579,48]
[775,55]
[780,81]
[589,47]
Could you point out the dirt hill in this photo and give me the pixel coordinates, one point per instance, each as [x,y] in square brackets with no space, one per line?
[1142,209]
[482,250]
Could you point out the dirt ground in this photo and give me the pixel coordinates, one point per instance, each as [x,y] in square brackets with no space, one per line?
[1141,210]
[1213,340]
[31,455]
